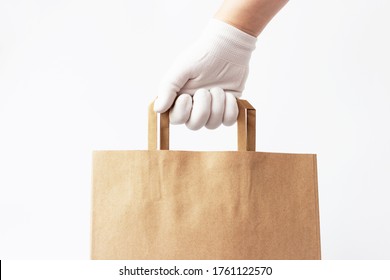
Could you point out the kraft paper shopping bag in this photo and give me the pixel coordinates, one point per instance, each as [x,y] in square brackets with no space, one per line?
[162,204]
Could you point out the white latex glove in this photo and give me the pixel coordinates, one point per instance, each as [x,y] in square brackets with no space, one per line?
[206,79]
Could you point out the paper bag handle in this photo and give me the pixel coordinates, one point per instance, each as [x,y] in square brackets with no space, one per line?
[246,128]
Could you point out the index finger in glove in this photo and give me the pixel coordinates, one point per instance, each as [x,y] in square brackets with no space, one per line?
[175,79]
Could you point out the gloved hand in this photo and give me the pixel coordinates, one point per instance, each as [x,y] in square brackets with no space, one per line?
[206,79]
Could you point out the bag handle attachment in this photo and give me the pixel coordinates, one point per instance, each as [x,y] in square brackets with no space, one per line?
[246,128]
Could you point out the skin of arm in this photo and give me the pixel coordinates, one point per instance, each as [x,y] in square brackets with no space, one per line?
[250,16]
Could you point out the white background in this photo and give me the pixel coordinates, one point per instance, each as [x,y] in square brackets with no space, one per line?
[78,75]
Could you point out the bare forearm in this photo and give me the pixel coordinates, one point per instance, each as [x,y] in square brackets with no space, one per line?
[250,16]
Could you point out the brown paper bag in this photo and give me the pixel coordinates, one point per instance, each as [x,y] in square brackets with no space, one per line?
[161,204]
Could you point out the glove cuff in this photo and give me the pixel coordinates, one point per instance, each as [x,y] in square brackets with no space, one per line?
[228,42]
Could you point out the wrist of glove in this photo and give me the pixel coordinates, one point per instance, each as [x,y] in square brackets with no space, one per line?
[202,85]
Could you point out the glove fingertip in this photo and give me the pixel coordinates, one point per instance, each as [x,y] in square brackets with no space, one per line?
[231,110]
[163,103]
[158,107]
[181,110]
